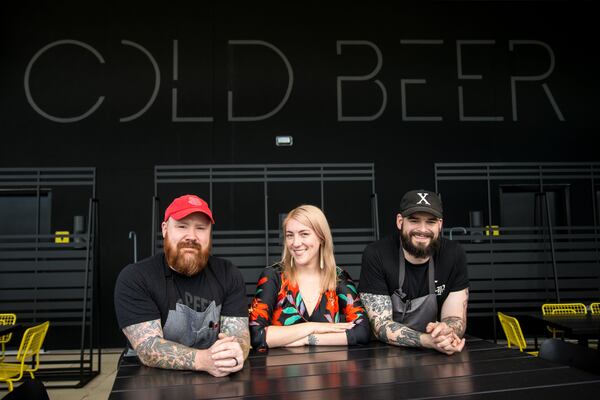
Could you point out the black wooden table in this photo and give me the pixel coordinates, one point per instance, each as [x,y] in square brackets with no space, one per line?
[376,371]
[577,326]
[580,327]
[6,329]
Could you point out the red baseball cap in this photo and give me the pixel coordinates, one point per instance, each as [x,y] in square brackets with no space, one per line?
[183,206]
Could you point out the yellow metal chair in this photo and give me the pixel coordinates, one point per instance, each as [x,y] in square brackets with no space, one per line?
[514,334]
[6,319]
[32,341]
[595,308]
[562,309]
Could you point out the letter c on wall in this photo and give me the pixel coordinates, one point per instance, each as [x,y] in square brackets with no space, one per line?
[28,90]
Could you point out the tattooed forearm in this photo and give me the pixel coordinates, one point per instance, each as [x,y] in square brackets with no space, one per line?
[238,327]
[161,353]
[137,333]
[312,340]
[455,316]
[379,310]
[154,351]
[457,324]
[377,304]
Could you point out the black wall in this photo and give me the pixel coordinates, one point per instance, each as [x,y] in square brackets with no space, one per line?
[47,84]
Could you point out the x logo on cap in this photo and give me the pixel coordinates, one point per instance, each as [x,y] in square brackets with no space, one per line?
[423,200]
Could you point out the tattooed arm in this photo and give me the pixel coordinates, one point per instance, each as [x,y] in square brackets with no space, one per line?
[379,311]
[155,351]
[454,311]
[237,327]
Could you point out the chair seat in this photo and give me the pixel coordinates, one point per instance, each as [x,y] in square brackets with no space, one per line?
[9,370]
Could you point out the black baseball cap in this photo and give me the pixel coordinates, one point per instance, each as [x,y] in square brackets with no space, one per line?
[421,201]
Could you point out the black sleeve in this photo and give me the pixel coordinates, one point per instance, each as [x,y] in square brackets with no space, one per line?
[133,301]
[372,279]
[352,308]
[235,303]
[265,300]
[459,278]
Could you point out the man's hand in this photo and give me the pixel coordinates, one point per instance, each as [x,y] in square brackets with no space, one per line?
[227,354]
[222,358]
[439,336]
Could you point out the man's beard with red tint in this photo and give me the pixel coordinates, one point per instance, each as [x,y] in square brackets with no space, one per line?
[419,251]
[186,262]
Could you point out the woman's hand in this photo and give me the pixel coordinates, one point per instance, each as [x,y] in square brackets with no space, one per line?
[326,327]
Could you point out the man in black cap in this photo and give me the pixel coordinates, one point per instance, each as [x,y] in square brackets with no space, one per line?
[414,283]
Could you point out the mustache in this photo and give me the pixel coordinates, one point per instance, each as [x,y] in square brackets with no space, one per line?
[189,245]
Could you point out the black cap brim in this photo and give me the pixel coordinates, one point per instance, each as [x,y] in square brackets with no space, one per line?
[428,210]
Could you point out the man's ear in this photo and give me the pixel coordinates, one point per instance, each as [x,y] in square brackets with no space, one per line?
[399,220]
[163,227]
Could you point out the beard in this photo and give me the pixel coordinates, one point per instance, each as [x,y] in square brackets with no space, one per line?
[184,262]
[420,250]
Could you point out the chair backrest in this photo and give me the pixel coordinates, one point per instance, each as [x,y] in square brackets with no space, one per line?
[32,341]
[512,330]
[563,308]
[595,308]
[571,354]
[7,319]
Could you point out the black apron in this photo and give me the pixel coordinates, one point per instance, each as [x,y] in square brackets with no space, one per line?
[418,312]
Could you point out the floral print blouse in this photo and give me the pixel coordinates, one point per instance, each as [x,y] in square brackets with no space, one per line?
[278,302]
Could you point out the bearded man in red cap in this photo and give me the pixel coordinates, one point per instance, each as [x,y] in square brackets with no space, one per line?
[183,308]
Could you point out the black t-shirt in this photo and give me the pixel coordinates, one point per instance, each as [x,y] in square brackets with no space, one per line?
[147,290]
[380,270]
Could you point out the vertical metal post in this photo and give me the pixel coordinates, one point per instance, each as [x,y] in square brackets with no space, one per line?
[375,215]
[552,252]
[374,204]
[154,225]
[210,188]
[491,241]
[37,244]
[97,283]
[322,191]
[85,288]
[266,194]
[595,214]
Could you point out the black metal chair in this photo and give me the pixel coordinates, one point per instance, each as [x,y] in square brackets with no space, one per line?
[571,354]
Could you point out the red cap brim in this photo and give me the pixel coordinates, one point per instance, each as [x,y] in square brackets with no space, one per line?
[184,213]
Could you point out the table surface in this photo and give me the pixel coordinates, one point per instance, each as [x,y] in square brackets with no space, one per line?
[6,329]
[576,326]
[376,371]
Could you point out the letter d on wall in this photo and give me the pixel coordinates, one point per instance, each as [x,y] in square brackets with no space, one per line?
[290,72]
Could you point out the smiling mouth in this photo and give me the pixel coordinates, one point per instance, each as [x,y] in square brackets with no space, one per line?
[421,237]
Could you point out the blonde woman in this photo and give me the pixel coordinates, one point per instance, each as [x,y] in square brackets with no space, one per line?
[306,299]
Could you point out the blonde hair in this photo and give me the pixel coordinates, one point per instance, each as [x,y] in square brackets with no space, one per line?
[314,218]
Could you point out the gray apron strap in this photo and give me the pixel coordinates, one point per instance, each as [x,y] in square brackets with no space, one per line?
[417,312]
[402,273]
